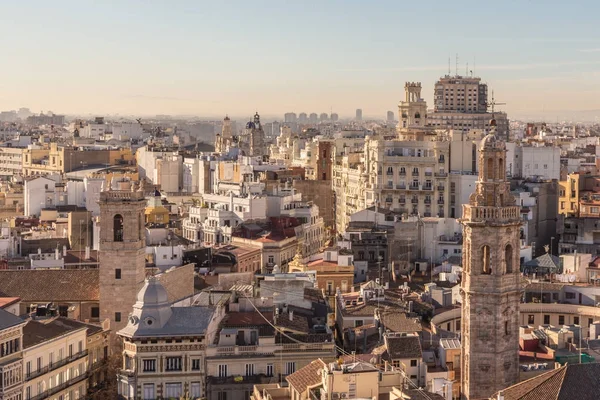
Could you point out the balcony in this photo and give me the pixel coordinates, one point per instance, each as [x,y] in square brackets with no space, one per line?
[441,174]
[401,187]
[60,387]
[428,173]
[402,173]
[427,201]
[441,188]
[415,173]
[414,187]
[56,365]
[427,188]
[414,201]
[440,201]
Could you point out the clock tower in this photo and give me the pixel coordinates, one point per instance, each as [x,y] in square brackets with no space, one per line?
[491,282]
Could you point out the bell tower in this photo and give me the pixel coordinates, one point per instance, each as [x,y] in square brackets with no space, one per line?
[122,251]
[491,282]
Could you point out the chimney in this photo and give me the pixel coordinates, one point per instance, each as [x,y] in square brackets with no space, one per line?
[64,251]
[87,252]
[291,314]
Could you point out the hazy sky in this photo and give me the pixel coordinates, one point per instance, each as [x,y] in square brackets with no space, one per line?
[216,57]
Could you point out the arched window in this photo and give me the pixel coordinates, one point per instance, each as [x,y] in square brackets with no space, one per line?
[508,258]
[486,260]
[118,227]
[490,168]
[417,115]
[501,168]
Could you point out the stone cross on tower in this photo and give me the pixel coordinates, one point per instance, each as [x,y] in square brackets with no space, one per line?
[491,282]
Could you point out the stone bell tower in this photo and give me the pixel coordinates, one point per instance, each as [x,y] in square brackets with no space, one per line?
[491,282]
[122,251]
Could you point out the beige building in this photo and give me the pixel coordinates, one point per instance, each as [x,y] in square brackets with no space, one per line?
[11,358]
[55,360]
[164,346]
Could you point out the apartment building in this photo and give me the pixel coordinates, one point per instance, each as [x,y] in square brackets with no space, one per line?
[163,346]
[11,356]
[259,344]
[11,162]
[55,360]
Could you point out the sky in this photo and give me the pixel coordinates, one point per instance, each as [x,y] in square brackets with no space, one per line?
[209,58]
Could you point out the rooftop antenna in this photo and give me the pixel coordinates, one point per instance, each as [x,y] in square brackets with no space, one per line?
[456,65]
[449,72]
[473,65]
[467,70]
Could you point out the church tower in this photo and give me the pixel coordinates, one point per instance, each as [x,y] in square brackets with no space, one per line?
[491,282]
[412,112]
[122,251]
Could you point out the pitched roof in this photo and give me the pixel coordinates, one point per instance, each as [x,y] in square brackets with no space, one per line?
[576,381]
[306,376]
[7,301]
[403,346]
[51,285]
[544,263]
[396,320]
[8,320]
[36,332]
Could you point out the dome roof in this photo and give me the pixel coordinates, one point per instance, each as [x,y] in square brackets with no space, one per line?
[226,118]
[152,293]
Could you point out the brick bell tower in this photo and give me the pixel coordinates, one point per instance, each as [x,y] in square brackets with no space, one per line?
[122,252]
[491,282]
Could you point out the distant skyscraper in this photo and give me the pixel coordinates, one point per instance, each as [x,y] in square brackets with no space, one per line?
[390,116]
[358,114]
[302,118]
[290,117]
[323,117]
[334,117]
[314,118]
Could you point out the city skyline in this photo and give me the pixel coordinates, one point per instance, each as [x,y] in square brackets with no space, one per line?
[210,59]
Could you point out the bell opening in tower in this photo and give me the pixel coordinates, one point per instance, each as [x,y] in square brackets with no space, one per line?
[118,228]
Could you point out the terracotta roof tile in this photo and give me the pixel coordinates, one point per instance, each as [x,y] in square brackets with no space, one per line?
[51,285]
[307,376]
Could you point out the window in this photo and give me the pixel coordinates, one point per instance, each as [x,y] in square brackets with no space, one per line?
[269,369]
[117,317]
[546,319]
[271,259]
[413,363]
[173,364]
[80,346]
[149,391]
[508,258]
[28,368]
[561,319]
[358,322]
[506,328]
[569,295]
[118,228]
[70,350]
[221,395]
[531,319]
[222,370]
[575,320]
[149,365]
[173,390]
[249,369]
[486,259]
[196,364]
[95,312]
[195,389]
[290,367]
[118,273]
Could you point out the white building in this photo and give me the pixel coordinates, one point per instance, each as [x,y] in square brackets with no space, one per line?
[534,161]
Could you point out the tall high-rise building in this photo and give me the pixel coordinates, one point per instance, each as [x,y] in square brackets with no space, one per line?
[358,116]
[122,252]
[313,118]
[334,117]
[390,116]
[323,117]
[302,118]
[491,288]
[289,117]
[461,103]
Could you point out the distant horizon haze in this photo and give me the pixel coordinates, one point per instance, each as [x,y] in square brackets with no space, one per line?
[541,58]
